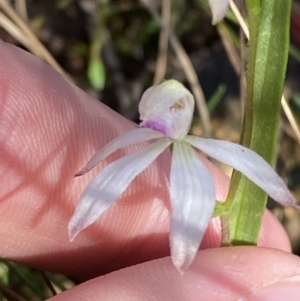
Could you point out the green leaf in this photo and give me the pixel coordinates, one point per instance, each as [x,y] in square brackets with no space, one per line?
[269,42]
[216,98]
[96,73]
[96,69]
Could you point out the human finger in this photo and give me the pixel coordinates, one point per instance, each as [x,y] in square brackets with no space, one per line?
[235,273]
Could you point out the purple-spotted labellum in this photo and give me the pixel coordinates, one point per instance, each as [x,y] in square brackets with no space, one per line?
[166,112]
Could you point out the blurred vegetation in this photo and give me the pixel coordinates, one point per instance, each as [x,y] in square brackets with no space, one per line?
[110,48]
[19,283]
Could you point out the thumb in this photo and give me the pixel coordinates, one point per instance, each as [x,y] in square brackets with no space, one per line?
[235,273]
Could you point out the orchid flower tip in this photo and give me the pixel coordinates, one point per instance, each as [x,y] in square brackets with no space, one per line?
[219,9]
[71,234]
[72,231]
[80,173]
[214,21]
[179,265]
[180,269]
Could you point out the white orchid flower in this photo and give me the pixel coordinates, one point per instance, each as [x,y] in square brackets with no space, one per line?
[166,112]
[219,9]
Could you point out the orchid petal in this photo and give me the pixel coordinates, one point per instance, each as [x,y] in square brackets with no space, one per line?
[110,183]
[128,138]
[219,9]
[193,200]
[249,163]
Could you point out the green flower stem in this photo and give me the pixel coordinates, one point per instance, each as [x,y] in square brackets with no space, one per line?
[269,41]
[254,11]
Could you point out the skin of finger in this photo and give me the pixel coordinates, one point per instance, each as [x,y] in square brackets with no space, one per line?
[235,273]
[48,130]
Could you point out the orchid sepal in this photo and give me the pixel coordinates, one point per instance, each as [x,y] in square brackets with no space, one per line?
[249,163]
[190,214]
[129,138]
[110,183]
